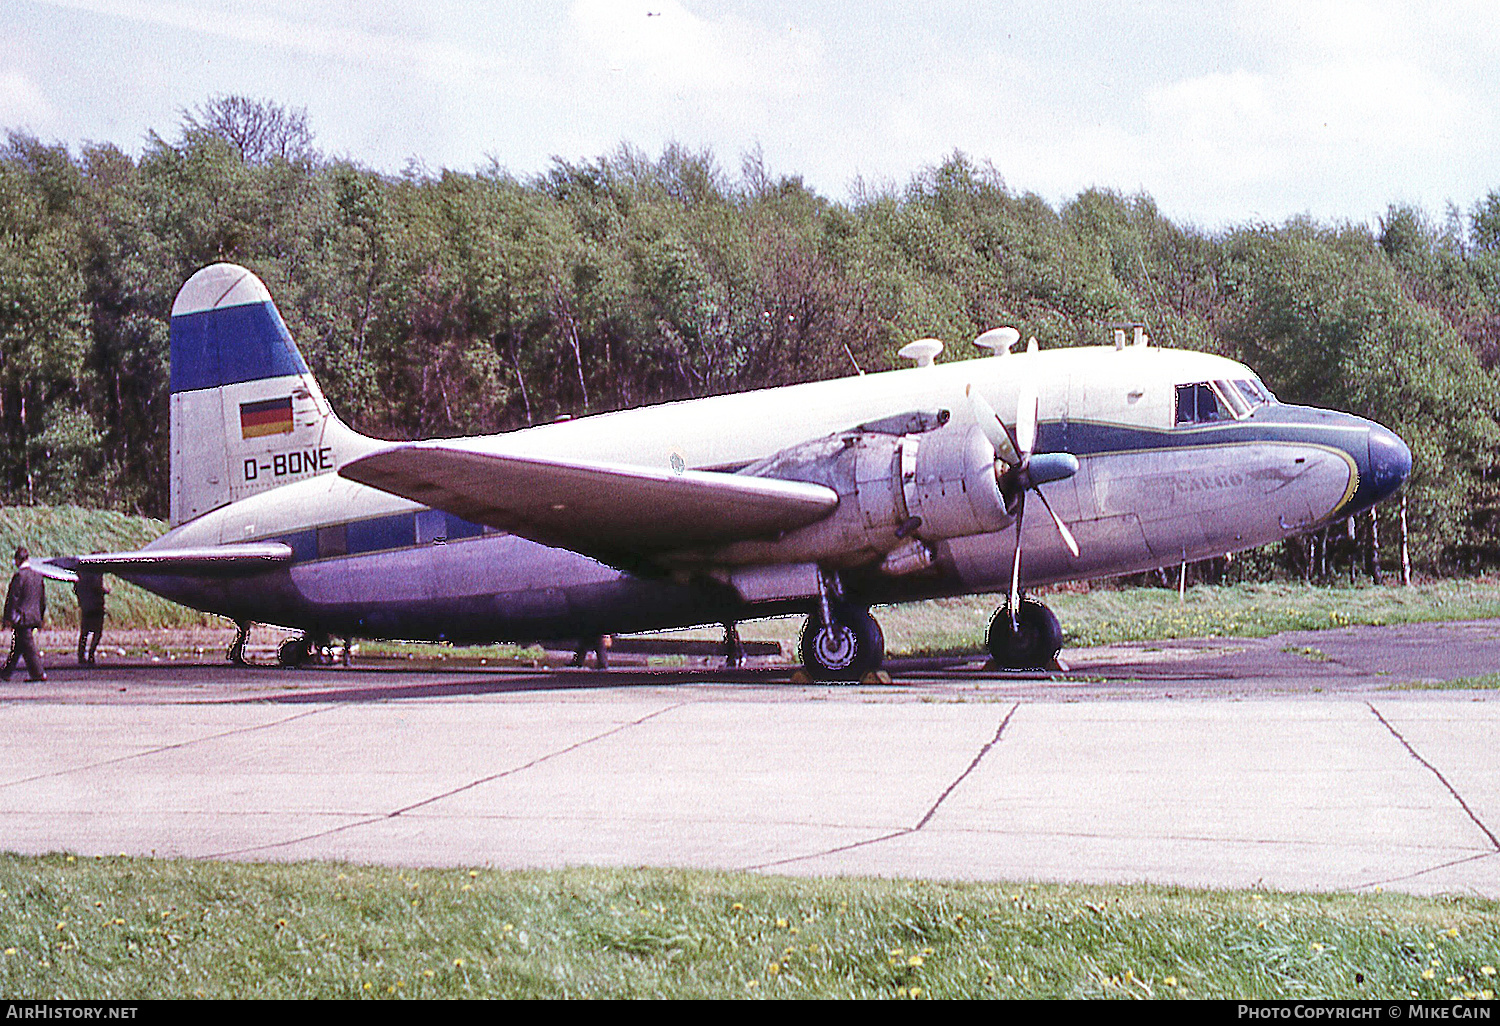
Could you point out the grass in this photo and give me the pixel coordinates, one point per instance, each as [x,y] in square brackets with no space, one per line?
[1485,681]
[122,928]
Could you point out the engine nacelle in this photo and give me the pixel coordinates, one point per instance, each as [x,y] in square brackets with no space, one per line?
[897,493]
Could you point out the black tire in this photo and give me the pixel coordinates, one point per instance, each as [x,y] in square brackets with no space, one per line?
[293,653]
[1034,646]
[852,646]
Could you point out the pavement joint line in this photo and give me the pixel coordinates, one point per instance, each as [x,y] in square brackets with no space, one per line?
[904,831]
[1494,842]
[1430,869]
[617,728]
[163,748]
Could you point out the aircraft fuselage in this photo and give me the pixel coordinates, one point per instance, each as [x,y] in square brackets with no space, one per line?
[1153,488]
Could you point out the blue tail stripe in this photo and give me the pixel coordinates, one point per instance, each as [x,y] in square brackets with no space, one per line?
[229,345]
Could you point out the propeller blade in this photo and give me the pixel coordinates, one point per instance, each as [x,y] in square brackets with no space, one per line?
[989,422]
[1062,528]
[1027,409]
[1015,569]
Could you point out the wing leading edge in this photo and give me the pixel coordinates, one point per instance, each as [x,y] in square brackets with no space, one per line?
[615,512]
[210,561]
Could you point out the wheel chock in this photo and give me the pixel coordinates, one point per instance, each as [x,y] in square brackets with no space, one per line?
[1058,665]
[876,677]
[801,677]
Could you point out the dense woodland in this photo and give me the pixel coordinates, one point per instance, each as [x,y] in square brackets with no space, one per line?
[442,303]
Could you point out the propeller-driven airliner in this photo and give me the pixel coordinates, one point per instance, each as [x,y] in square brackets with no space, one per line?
[822,499]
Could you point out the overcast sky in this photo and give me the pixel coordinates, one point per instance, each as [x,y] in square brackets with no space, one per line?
[1224,113]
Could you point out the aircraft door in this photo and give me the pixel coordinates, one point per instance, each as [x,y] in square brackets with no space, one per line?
[1054,434]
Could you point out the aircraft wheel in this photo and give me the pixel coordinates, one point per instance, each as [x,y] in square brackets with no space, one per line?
[293,652]
[846,649]
[1034,646]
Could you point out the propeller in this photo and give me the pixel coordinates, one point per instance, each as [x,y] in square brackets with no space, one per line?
[1023,471]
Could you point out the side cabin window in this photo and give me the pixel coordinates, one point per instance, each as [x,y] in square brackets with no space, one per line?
[333,540]
[1199,404]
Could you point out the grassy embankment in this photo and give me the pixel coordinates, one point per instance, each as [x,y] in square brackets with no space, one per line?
[1091,616]
[69,530]
[136,928]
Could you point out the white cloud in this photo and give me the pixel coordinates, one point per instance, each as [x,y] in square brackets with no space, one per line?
[22,102]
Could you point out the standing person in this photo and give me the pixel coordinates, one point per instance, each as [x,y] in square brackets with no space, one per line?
[25,608]
[90,589]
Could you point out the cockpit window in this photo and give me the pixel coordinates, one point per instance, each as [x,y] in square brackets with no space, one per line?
[1230,395]
[1199,404]
[1254,392]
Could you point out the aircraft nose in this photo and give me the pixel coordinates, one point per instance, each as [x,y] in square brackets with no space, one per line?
[1388,467]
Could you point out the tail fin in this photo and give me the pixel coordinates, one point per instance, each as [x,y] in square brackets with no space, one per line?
[246,412]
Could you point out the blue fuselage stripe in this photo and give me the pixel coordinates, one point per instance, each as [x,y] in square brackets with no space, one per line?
[229,345]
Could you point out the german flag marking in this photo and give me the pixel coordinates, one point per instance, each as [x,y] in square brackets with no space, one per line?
[268,417]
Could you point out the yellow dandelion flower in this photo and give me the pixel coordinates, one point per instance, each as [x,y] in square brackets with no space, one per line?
[774,968]
[1316,946]
[368,987]
[1170,981]
[473,873]
[458,963]
[10,951]
[915,961]
[781,924]
[752,984]
[1488,970]
[897,953]
[1488,995]
[737,907]
[916,992]
[1453,931]
[1428,974]
[428,973]
[467,887]
[72,859]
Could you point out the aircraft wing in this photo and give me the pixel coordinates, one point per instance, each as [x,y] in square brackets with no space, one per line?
[615,512]
[212,561]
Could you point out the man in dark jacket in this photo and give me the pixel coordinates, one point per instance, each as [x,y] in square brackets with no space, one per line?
[25,608]
[90,589]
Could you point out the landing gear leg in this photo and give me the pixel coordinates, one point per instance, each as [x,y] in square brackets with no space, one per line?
[236,652]
[734,649]
[1030,641]
[348,648]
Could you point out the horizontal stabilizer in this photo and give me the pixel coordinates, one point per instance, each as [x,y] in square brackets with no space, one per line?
[606,510]
[208,561]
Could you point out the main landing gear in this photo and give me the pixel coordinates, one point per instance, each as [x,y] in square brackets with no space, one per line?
[1031,643]
[843,644]
[293,652]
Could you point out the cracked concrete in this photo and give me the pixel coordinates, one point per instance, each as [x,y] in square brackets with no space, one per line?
[952,775]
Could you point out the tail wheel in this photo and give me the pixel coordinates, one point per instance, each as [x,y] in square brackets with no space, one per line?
[293,652]
[1034,643]
[849,647]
